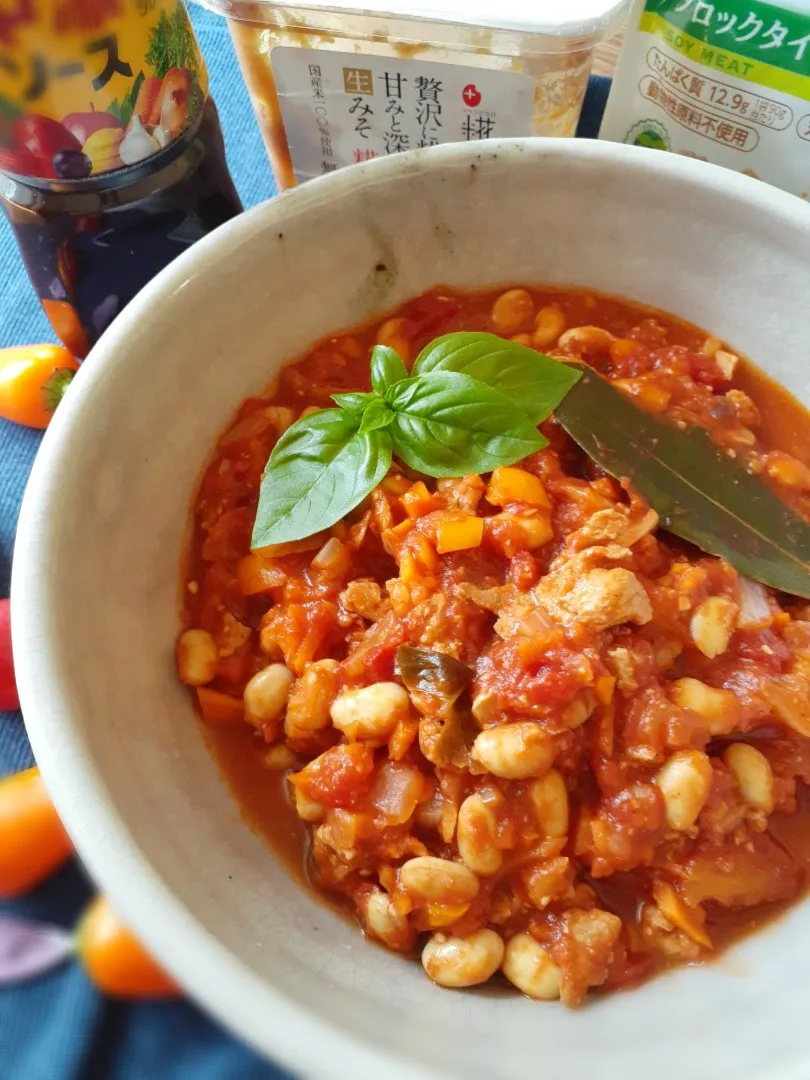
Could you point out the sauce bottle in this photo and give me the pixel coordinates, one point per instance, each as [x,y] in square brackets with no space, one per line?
[111,154]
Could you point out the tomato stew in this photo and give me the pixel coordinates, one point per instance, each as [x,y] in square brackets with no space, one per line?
[590,761]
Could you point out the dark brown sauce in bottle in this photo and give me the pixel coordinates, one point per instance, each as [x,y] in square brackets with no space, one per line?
[112,168]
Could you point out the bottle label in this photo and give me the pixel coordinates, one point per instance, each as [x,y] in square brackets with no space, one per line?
[88,86]
[341,108]
[726,81]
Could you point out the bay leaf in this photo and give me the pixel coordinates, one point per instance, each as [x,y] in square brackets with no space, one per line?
[699,492]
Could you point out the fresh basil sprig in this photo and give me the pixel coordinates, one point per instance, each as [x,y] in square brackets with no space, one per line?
[472,402]
[534,381]
[320,469]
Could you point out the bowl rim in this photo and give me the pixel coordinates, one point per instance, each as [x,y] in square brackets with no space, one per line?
[297,1039]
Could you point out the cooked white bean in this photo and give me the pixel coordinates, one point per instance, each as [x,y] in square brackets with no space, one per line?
[548,326]
[456,962]
[196,656]
[684,781]
[372,712]
[476,835]
[713,624]
[550,800]
[383,922]
[514,751]
[719,708]
[527,965]
[586,337]
[512,312]
[266,694]
[393,333]
[753,773]
[431,880]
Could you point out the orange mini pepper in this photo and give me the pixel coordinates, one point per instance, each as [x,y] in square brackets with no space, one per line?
[33,842]
[114,960]
[33,380]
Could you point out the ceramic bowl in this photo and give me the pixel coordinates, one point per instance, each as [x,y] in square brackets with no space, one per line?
[95,595]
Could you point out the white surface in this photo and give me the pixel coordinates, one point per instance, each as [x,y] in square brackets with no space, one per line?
[655,82]
[557,18]
[324,134]
[95,589]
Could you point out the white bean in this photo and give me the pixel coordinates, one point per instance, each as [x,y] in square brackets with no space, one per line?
[550,800]
[372,712]
[719,708]
[512,312]
[266,694]
[514,751]
[383,922]
[753,773]
[684,781]
[430,880]
[196,657]
[586,337]
[528,966]
[456,962]
[476,834]
[548,326]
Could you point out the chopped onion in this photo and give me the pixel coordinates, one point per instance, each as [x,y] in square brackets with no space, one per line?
[330,553]
[397,792]
[755,609]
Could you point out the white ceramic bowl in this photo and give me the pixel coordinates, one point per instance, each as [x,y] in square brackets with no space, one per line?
[95,595]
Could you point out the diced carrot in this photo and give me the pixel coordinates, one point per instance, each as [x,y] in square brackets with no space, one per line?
[458,532]
[417,501]
[534,649]
[218,709]
[509,485]
[651,397]
[257,574]
[604,687]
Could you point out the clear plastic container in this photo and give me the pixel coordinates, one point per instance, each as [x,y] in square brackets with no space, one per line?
[333,84]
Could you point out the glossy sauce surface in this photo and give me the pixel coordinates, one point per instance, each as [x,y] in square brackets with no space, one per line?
[652,355]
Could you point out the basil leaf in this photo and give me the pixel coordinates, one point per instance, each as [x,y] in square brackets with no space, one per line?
[376,415]
[320,469]
[387,368]
[699,492]
[448,424]
[355,403]
[536,382]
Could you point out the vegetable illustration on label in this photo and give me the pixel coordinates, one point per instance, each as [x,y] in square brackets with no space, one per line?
[82,95]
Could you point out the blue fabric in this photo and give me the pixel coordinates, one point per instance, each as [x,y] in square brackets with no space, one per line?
[59,1028]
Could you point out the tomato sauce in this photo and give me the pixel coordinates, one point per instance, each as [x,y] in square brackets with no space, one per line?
[599,863]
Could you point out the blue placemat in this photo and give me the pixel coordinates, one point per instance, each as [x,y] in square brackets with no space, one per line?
[59,1028]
